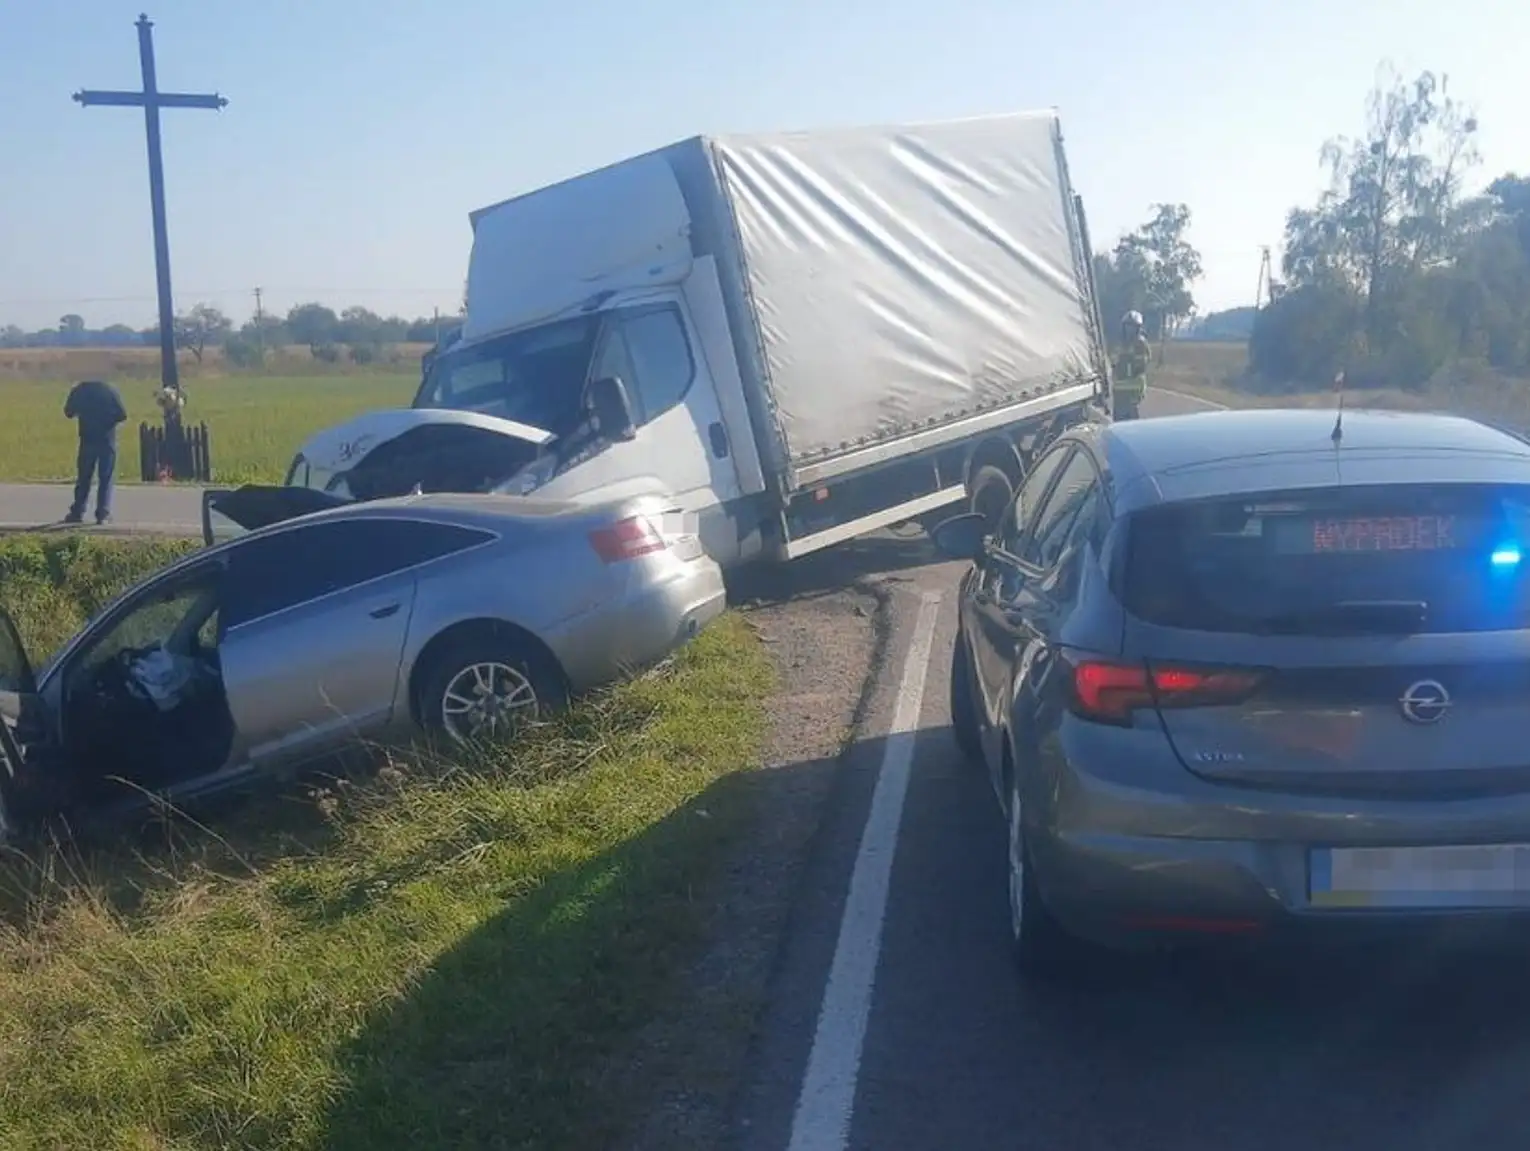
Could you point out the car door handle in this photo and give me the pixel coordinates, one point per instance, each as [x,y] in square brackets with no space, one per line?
[384,612]
[719,437]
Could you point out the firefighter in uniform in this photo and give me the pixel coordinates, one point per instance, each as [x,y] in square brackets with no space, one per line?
[1131,367]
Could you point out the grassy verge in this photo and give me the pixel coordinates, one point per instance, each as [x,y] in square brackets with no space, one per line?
[444,954]
[255,423]
[52,584]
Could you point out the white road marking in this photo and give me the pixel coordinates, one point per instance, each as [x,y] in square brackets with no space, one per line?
[1187,396]
[827,1099]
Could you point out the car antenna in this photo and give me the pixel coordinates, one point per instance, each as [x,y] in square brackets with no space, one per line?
[1337,435]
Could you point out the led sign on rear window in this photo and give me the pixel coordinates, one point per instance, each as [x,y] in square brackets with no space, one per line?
[1236,564]
[1370,535]
[1384,534]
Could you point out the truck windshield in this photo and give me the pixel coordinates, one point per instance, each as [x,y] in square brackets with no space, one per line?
[535,377]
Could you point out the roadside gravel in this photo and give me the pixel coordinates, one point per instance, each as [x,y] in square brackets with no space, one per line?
[827,646]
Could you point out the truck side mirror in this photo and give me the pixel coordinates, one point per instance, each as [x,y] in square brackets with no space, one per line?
[606,399]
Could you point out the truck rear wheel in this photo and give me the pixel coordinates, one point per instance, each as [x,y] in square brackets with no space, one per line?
[990,491]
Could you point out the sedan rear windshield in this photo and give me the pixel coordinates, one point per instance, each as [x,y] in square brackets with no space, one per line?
[1400,558]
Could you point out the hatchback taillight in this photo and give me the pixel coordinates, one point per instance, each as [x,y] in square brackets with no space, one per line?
[1109,691]
[626,540]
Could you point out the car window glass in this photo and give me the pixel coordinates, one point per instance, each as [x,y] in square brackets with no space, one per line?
[1448,557]
[1055,519]
[1023,507]
[659,358]
[534,375]
[178,614]
[1087,530]
[276,572]
[613,360]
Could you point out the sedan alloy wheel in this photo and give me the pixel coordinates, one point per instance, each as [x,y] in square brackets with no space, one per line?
[486,701]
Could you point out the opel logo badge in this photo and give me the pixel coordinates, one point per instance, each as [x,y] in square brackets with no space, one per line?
[1426,701]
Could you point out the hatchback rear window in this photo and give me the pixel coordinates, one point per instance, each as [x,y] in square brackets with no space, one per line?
[1401,558]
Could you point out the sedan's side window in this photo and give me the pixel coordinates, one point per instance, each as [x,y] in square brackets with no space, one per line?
[272,573]
[1022,510]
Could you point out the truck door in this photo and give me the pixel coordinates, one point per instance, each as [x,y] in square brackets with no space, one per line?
[682,439]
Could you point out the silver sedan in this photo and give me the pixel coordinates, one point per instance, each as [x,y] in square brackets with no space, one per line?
[336,622]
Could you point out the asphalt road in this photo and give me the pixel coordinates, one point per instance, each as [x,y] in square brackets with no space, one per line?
[897,1020]
[144,509]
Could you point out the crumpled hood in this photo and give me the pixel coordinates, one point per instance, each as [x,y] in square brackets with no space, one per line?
[343,446]
[393,453]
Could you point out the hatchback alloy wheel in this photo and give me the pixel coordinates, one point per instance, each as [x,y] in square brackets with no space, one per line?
[1042,946]
[1017,876]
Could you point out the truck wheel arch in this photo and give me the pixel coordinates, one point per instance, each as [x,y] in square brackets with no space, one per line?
[999,453]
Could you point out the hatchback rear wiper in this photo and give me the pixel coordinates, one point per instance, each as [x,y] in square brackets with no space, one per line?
[1348,617]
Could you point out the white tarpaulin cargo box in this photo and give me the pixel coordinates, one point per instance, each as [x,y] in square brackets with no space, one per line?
[880,282]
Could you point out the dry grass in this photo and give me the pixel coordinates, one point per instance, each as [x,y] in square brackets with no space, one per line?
[439,955]
[1218,372]
[142,363]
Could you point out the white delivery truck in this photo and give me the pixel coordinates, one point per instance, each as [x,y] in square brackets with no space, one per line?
[802,337]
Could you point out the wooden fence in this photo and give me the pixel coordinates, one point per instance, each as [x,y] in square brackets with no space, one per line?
[174,452]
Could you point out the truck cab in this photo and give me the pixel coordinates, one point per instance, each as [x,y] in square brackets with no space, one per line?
[571,301]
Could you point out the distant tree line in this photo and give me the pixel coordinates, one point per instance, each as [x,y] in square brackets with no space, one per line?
[1151,270]
[1395,277]
[354,333]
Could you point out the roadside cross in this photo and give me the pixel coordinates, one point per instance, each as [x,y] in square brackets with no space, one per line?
[151,100]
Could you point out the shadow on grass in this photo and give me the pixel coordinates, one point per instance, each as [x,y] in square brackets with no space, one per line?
[123,863]
[516,1038]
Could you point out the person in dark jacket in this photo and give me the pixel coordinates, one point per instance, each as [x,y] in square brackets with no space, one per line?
[97,409]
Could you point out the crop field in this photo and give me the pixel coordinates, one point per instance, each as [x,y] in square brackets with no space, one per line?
[255,422]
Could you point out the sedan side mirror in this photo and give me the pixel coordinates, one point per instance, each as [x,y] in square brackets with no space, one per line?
[607,400]
[963,537]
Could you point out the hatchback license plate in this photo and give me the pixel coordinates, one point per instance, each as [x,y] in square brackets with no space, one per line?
[1494,875]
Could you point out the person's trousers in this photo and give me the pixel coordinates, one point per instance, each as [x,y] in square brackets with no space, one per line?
[98,458]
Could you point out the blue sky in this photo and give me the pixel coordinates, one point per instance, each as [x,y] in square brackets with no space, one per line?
[360,133]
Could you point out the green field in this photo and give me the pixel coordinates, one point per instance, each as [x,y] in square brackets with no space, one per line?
[446,953]
[255,423]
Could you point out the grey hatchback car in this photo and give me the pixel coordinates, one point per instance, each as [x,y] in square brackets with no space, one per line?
[1238,673]
[340,621]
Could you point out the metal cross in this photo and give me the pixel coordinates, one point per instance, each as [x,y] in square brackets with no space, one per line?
[151,100]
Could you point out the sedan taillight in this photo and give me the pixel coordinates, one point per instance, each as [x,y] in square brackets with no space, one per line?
[626,540]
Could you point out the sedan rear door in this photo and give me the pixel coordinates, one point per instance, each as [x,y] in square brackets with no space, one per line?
[317,617]
[22,722]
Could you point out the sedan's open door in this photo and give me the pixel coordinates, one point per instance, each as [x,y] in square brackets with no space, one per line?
[21,722]
[230,512]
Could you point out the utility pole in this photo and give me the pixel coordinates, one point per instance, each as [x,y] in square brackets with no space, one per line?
[436,313]
[1265,292]
[260,327]
[151,100]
